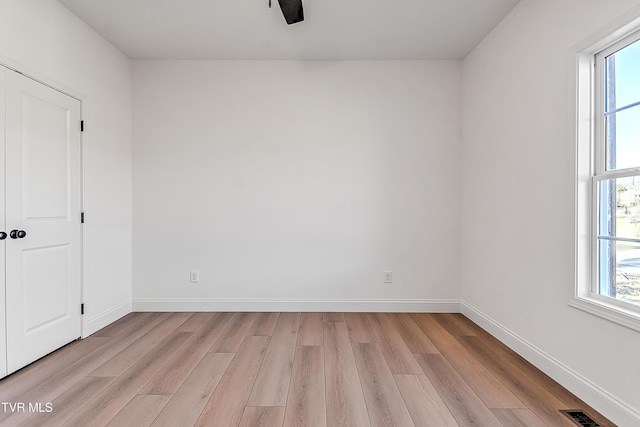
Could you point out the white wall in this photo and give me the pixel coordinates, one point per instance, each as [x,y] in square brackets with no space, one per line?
[294,185]
[44,40]
[518,222]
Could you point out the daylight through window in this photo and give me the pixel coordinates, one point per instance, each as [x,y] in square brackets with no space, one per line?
[616,178]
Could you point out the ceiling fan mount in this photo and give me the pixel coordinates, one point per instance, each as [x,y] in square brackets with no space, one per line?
[292,10]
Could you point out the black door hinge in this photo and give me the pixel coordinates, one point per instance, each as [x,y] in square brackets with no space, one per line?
[82,308]
[81,217]
[81,125]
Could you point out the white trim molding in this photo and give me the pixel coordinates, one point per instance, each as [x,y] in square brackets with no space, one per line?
[613,408]
[616,314]
[106,318]
[267,304]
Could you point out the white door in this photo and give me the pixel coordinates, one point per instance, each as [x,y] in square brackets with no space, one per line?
[3,338]
[42,182]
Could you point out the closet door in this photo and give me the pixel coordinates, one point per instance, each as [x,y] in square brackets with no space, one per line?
[43,261]
[3,338]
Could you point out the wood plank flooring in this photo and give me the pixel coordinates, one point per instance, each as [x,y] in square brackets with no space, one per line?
[287,370]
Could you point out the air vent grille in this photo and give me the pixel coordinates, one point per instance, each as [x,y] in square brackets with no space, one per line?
[580,418]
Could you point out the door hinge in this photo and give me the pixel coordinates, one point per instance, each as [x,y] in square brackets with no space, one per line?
[81,217]
[82,308]
[81,125]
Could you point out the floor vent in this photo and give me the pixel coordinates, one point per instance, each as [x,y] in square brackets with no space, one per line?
[580,418]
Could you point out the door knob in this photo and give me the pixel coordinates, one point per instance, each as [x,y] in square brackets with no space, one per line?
[3,235]
[17,234]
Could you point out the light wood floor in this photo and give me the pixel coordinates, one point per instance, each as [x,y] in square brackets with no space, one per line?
[287,369]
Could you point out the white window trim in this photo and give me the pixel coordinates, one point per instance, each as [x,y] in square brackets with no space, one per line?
[584,91]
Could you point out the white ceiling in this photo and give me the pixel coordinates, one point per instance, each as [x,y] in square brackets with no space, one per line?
[332,29]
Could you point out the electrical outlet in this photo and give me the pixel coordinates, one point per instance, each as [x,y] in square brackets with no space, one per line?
[194,276]
[388,276]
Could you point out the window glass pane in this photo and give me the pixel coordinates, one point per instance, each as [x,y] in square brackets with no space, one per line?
[620,208]
[623,82]
[618,230]
[606,268]
[623,138]
[607,208]
[622,115]
[628,271]
[619,271]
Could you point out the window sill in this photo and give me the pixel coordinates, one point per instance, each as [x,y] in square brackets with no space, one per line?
[611,312]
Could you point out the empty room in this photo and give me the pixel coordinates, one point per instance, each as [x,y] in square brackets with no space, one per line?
[320,213]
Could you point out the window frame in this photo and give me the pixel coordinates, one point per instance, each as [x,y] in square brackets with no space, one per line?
[590,168]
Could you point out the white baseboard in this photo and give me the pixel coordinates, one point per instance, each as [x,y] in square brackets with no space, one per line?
[257,304]
[607,404]
[103,319]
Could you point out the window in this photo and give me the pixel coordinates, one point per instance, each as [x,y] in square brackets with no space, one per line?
[608,171]
[616,178]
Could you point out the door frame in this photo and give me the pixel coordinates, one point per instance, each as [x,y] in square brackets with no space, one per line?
[11,66]
[3,325]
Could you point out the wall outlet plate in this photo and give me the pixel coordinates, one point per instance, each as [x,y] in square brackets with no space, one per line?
[194,276]
[388,276]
